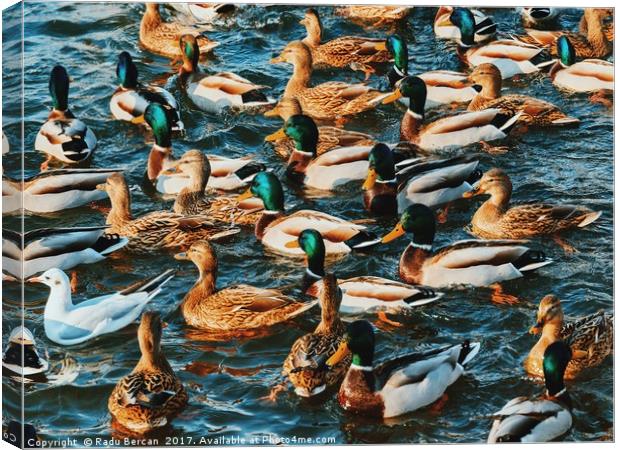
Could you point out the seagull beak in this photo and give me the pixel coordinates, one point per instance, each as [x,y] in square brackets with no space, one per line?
[34,280]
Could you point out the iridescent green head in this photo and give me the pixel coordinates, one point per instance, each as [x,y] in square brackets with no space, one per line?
[397,46]
[126,71]
[189,50]
[158,117]
[566,51]
[360,339]
[381,160]
[268,188]
[311,242]
[464,20]
[555,360]
[418,220]
[303,131]
[59,88]
[414,89]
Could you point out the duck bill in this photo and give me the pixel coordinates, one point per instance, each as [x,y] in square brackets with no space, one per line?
[536,329]
[181,256]
[277,60]
[392,97]
[292,244]
[302,21]
[101,187]
[381,46]
[280,134]
[445,22]
[171,170]
[247,194]
[272,113]
[475,191]
[370,179]
[397,232]
[341,353]
[138,120]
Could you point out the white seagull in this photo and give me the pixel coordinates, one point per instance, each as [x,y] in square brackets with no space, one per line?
[68,324]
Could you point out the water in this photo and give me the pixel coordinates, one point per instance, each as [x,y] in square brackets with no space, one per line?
[225,380]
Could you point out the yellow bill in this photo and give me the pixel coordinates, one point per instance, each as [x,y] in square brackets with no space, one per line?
[101,187]
[272,112]
[536,329]
[392,97]
[292,244]
[280,134]
[277,59]
[381,46]
[370,179]
[397,232]
[341,353]
[138,120]
[247,194]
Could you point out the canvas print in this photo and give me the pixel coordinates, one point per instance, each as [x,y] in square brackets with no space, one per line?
[250,224]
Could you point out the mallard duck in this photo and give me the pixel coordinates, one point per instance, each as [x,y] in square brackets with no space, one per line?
[53,190]
[67,323]
[63,248]
[204,12]
[358,53]
[591,338]
[305,363]
[360,293]
[329,101]
[484,28]
[279,231]
[442,86]
[427,181]
[535,112]
[538,17]
[399,385]
[470,262]
[151,395]
[452,131]
[234,308]
[226,173]
[328,171]
[511,56]
[495,219]
[21,357]
[193,201]
[593,44]
[381,15]
[541,419]
[158,229]
[589,75]
[131,98]
[162,37]
[63,136]
[329,137]
[219,92]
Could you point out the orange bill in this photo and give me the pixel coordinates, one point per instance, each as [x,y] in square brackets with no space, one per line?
[280,134]
[370,179]
[247,194]
[392,97]
[397,232]
[341,353]
[292,244]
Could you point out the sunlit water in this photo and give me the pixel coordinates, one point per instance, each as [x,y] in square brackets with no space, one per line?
[226,380]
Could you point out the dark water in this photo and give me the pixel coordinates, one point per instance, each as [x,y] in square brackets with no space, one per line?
[225,380]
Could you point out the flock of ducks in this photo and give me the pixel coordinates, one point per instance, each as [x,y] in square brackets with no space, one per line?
[321,153]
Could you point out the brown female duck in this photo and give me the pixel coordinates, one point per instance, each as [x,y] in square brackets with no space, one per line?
[151,395]
[235,308]
[591,337]
[304,365]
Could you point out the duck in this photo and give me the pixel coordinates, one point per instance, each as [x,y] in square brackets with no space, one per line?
[511,56]
[158,229]
[330,101]
[536,112]
[432,182]
[235,308]
[278,231]
[305,363]
[220,92]
[67,323]
[152,394]
[495,219]
[398,385]
[35,251]
[162,37]
[592,44]
[589,75]
[204,12]
[358,53]
[544,418]
[54,190]
[63,137]
[193,201]
[381,15]
[448,132]
[21,357]
[443,87]
[591,338]
[360,293]
[538,17]
[327,171]
[131,98]
[227,174]
[469,262]
[445,28]
[330,137]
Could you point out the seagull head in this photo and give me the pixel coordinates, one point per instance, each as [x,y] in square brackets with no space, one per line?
[54,278]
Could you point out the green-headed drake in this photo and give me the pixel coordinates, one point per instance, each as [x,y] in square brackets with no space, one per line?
[63,137]
[446,28]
